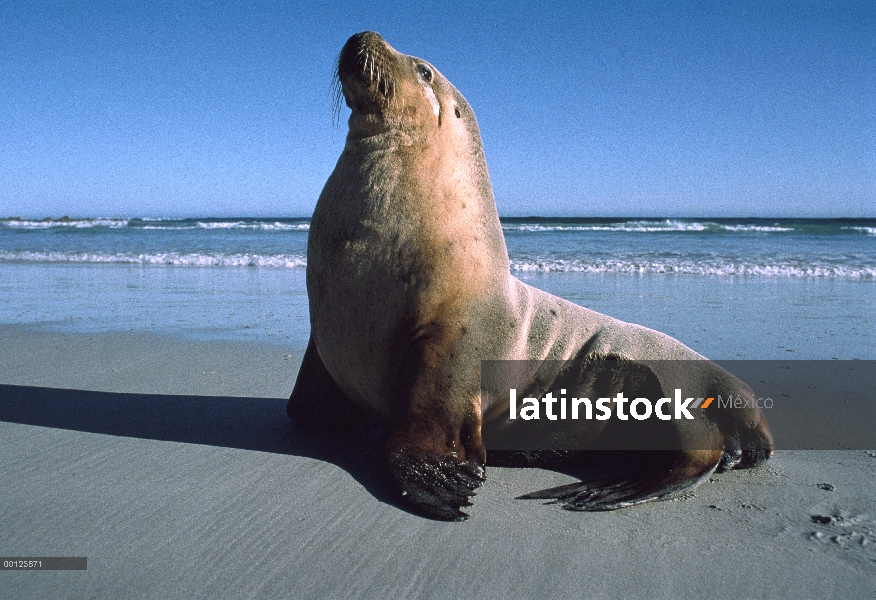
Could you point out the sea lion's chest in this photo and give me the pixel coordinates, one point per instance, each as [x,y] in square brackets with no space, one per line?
[369,277]
[365,245]
[400,242]
[394,232]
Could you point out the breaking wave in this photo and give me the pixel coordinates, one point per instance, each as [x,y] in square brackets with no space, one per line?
[159,224]
[159,258]
[647,226]
[696,268]
[867,230]
[294,261]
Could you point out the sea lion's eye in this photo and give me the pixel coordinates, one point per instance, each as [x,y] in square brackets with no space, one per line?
[425,72]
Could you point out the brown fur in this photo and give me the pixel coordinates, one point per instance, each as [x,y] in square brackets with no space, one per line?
[410,288]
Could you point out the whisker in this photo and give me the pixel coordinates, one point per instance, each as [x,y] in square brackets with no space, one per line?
[337,92]
[337,98]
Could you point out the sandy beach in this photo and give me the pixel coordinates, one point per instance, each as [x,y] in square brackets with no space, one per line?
[187,190]
[172,466]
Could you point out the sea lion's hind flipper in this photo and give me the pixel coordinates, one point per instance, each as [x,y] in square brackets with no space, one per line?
[433,485]
[757,444]
[317,401]
[745,447]
[598,495]
[658,477]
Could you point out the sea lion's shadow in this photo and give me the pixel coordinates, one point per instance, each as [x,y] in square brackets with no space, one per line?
[259,424]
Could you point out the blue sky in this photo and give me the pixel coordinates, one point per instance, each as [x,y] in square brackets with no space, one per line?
[614,109]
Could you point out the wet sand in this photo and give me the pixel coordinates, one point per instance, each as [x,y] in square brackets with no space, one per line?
[172,466]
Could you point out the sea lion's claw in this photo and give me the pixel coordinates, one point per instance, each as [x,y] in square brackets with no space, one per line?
[435,486]
[475,472]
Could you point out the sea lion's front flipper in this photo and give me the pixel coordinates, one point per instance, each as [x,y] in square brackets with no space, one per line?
[651,476]
[436,468]
[317,401]
[433,485]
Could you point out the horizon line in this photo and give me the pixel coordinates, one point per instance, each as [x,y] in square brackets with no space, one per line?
[308,217]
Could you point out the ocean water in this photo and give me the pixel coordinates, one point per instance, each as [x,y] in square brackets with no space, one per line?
[730,288]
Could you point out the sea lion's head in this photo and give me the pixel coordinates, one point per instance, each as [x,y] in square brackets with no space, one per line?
[390,91]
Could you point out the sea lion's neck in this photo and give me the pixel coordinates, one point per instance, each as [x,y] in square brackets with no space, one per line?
[371,136]
[383,188]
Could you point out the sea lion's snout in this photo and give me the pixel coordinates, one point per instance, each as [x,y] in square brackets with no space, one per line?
[365,70]
[359,41]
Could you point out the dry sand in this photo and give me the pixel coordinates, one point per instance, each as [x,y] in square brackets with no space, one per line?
[172,466]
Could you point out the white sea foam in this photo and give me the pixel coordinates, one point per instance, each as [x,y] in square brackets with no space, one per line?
[867,230]
[74,223]
[160,258]
[627,226]
[668,225]
[696,268]
[169,227]
[255,225]
[757,228]
[153,224]
[680,266]
[514,227]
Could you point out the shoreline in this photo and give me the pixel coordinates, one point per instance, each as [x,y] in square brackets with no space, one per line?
[723,318]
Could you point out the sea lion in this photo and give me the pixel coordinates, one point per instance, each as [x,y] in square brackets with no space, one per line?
[410,289]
